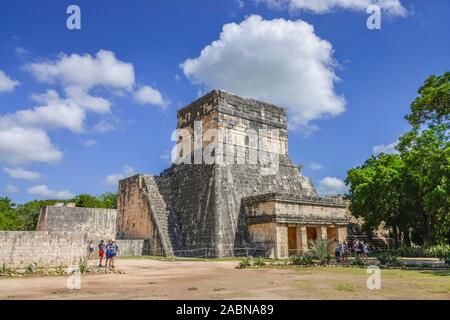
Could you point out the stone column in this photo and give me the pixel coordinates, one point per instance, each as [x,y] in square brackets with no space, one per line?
[299,240]
[303,236]
[281,244]
[342,233]
[321,233]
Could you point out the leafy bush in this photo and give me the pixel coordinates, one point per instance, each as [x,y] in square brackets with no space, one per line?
[32,268]
[404,251]
[83,266]
[244,263]
[259,262]
[445,257]
[358,262]
[320,250]
[4,269]
[389,259]
[439,251]
[302,260]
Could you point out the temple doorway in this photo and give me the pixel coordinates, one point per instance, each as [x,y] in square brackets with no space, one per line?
[292,241]
[332,234]
[311,234]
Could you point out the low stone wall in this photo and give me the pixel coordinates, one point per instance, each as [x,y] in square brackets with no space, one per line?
[19,249]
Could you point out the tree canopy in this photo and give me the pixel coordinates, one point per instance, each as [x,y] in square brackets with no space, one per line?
[409,192]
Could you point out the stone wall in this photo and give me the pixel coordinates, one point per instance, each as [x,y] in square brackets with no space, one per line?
[135,218]
[92,223]
[46,248]
[134,248]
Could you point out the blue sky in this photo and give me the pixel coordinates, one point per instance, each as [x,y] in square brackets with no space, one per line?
[354,84]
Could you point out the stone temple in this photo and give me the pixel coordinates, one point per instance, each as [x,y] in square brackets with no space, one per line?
[232,187]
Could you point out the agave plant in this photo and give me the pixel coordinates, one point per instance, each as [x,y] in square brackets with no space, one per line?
[319,249]
[244,263]
[259,262]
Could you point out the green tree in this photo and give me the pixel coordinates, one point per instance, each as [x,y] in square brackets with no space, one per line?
[378,193]
[87,201]
[432,106]
[109,200]
[29,212]
[410,192]
[426,151]
[9,220]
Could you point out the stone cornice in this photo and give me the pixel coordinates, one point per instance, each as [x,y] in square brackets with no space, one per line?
[293,198]
[311,220]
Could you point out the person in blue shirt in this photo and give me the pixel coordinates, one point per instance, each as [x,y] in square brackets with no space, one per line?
[111,253]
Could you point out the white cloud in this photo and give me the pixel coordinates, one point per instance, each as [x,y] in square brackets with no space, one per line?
[23,145]
[332,186]
[165,156]
[108,124]
[6,83]
[240,3]
[113,179]
[55,113]
[11,189]
[19,173]
[20,52]
[86,101]
[149,95]
[85,71]
[27,129]
[279,61]
[43,191]
[89,143]
[392,7]
[316,166]
[385,148]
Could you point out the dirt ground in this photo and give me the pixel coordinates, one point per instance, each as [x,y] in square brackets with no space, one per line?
[152,279]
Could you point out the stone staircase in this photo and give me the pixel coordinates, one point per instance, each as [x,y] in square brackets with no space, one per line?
[166,222]
[375,244]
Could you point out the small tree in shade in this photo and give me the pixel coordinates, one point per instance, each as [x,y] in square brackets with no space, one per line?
[320,250]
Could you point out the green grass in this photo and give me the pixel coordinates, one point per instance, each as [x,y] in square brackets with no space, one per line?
[344,287]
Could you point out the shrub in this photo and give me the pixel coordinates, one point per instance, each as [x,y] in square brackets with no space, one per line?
[4,269]
[259,262]
[32,268]
[319,248]
[445,257]
[244,263]
[427,251]
[389,259]
[83,266]
[358,262]
[302,260]
[439,251]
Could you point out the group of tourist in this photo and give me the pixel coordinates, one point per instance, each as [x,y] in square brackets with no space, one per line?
[108,249]
[342,251]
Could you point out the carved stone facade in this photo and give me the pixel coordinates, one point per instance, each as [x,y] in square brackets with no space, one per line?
[232,186]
